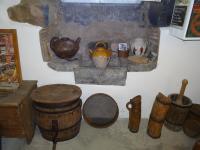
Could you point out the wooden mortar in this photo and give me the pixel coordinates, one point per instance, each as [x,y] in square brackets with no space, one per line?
[178,110]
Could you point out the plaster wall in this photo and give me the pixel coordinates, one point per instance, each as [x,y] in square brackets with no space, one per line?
[177,60]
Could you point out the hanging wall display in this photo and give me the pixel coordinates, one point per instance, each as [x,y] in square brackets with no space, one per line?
[10,72]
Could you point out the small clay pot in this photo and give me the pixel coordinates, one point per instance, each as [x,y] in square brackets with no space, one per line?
[123,54]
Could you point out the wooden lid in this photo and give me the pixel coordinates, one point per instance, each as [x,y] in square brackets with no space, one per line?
[56,94]
[100,110]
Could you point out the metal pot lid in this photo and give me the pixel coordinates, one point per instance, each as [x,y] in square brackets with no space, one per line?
[100,110]
[56,94]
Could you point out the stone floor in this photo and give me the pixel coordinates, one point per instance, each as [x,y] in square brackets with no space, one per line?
[115,137]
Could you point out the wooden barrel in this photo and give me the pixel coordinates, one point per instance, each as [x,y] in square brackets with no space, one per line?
[134,107]
[191,126]
[157,117]
[57,111]
[177,113]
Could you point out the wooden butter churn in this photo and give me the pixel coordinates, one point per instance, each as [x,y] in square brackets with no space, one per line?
[158,113]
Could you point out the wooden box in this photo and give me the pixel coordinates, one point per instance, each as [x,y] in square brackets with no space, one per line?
[16,119]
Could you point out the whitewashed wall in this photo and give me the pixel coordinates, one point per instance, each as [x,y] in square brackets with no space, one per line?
[177,60]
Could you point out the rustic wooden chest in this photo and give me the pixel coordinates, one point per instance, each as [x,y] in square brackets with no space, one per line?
[16,118]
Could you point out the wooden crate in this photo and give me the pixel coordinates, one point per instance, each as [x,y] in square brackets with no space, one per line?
[16,119]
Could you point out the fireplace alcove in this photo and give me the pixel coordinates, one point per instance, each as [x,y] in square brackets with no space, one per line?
[92,22]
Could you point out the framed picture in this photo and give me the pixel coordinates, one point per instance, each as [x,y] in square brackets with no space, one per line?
[10,70]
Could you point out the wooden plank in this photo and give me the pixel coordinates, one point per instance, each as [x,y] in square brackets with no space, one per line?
[15,98]
[27,117]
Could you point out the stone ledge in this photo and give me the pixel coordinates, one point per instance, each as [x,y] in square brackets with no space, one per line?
[109,76]
[142,67]
[63,65]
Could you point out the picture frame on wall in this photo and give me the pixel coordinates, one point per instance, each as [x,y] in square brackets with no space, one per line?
[10,70]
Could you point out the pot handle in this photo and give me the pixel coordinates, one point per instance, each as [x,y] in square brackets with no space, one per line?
[78,40]
[90,51]
[127,106]
[65,39]
[52,42]
[102,43]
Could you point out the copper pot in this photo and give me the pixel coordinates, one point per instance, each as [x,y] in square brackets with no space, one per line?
[65,47]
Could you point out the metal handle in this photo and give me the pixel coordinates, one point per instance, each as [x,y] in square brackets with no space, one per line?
[101,42]
[127,106]
[52,42]
[55,129]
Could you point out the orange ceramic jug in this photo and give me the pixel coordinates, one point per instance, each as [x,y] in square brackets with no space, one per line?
[100,50]
[101,55]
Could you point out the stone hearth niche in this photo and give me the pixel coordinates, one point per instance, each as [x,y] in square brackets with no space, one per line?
[112,23]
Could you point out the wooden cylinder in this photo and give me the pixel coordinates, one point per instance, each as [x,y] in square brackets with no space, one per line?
[191,126]
[134,107]
[57,111]
[177,113]
[157,117]
[154,128]
[196,145]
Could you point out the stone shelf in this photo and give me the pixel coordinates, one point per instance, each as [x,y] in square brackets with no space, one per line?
[63,65]
[109,76]
[142,67]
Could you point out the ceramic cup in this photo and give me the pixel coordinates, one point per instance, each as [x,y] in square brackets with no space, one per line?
[123,50]
[138,46]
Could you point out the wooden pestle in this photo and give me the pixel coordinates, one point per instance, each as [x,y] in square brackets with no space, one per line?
[179,99]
